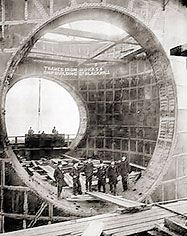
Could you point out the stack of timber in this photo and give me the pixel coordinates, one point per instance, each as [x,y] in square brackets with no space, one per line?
[115,224]
[173,226]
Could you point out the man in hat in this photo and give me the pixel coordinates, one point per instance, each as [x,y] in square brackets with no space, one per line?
[75,173]
[101,175]
[59,177]
[88,169]
[123,169]
[112,174]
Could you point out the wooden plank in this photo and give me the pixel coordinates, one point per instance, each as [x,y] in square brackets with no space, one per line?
[80,198]
[116,200]
[136,229]
[137,166]
[56,160]
[72,158]
[95,228]
[160,229]
[17,188]
[43,218]
[34,163]
[176,224]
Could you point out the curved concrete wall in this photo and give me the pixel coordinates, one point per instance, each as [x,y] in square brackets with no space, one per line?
[122,106]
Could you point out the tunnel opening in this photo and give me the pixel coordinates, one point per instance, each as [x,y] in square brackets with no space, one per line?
[92,140]
[44,108]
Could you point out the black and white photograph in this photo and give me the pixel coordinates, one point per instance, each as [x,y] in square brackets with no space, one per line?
[93,117]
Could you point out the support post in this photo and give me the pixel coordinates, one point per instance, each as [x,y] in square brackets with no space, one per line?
[3,17]
[51,7]
[68,140]
[50,213]
[26,10]
[25,208]
[2,194]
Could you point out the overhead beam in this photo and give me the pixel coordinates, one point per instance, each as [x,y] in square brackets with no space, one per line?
[67,58]
[85,34]
[132,53]
[104,48]
[49,54]
[55,41]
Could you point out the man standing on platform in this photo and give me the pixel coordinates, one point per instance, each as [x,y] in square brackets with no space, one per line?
[101,175]
[88,169]
[59,177]
[75,173]
[123,169]
[54,131]
[30,131]
[112,174]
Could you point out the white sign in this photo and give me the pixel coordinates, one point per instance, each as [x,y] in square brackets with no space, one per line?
[73,71]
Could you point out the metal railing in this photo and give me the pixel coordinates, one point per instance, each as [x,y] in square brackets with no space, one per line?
[20,139]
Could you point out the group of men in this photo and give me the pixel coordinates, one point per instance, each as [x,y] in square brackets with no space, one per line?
[31,131]
[102,172]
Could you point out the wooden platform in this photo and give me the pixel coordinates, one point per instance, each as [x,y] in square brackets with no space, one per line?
[113,223]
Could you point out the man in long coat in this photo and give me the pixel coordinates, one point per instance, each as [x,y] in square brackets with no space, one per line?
[59,177]
[88,169]
[75,173]
[101,175]
[112,174]
[123,169]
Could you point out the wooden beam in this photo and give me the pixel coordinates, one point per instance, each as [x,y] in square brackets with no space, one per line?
[176,224]
[125,203]
[85,34]
[43,218]
[95,228]
[16,188]
[137,166]
[38,214]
